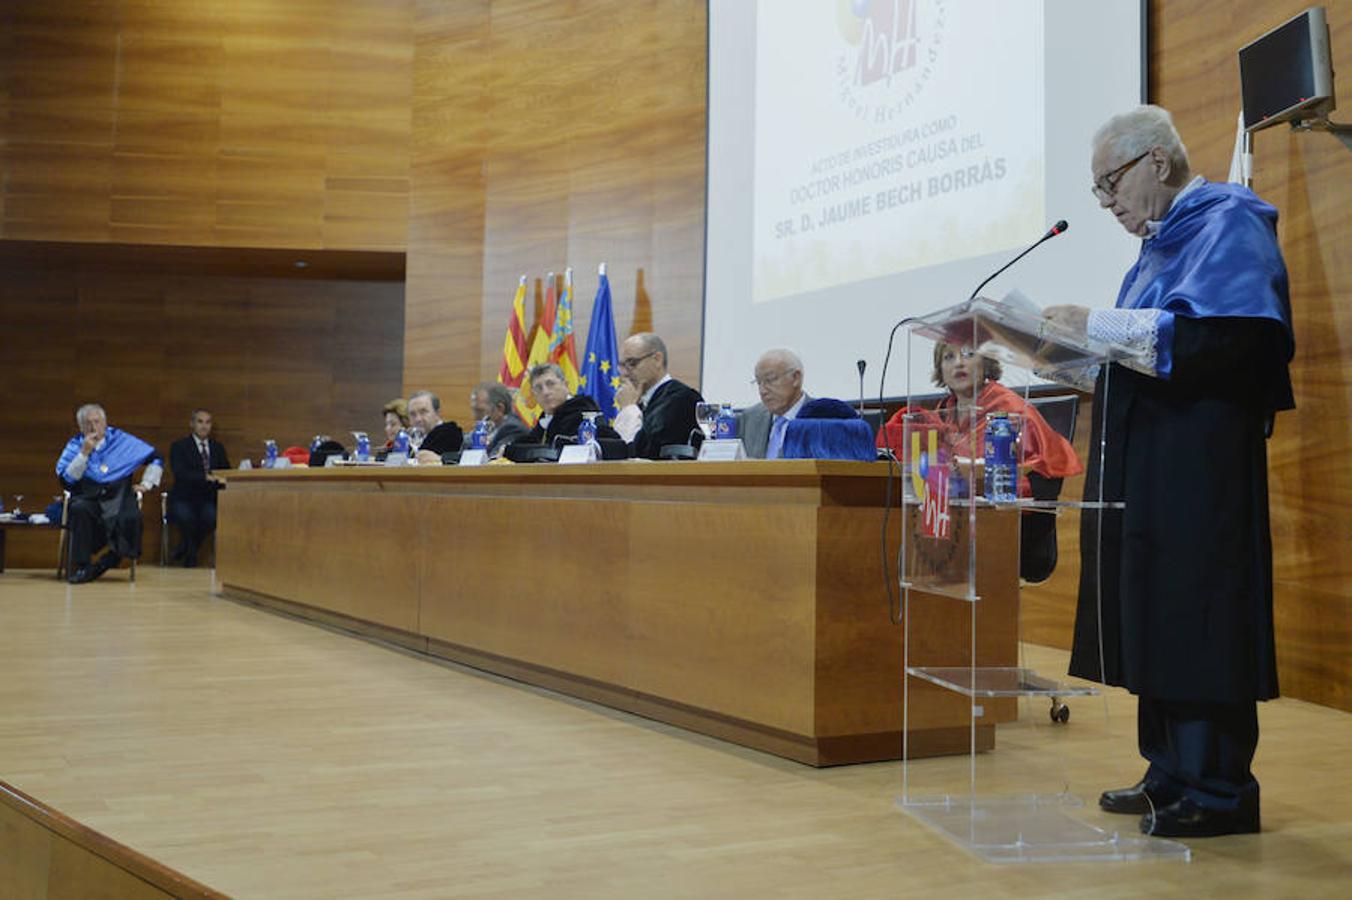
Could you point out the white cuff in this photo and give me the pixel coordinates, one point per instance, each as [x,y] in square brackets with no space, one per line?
[150,478]
[1135,329]
[76,468]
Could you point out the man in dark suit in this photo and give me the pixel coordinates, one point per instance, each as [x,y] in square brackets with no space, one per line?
[779,380]
[666,405]
[492,401]
[561,413]
[192,502]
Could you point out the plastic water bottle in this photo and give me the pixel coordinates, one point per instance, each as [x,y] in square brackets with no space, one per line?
[586,429]
[363,451]
[478,438]
[316,441]
[1002,473]
[401,445]
[269,454]
[725,426]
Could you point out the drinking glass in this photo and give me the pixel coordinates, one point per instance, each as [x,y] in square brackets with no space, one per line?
[706,416]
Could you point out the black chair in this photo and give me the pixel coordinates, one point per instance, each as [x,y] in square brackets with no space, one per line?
[1037,541]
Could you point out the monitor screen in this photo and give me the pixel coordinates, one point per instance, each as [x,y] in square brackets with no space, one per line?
[1285,74]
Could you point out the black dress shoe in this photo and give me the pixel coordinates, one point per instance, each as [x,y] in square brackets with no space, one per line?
[1185,819]
[105,562]
[1133,800]
[82,575]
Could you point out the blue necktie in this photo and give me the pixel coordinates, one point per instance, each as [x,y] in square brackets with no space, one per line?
[776,445]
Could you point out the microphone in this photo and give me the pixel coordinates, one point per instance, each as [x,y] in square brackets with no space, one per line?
[861,365]
[1059,228]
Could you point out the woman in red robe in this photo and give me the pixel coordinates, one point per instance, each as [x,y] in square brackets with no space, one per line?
[955,368]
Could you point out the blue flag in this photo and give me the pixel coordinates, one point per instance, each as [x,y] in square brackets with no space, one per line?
[600,376]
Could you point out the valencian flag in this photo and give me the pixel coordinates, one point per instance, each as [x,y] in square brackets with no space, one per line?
[600,375]
[562,348]
[514,344]
[526,406]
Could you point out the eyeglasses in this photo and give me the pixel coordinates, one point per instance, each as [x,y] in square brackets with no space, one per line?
[631,362]
[771,380]
[1105,186]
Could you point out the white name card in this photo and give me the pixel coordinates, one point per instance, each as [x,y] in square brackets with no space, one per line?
[396,459]
[577,453]
[474,458]
[722,451]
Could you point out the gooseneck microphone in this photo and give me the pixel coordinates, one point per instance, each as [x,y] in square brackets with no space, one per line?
[1058,228]
[861,365]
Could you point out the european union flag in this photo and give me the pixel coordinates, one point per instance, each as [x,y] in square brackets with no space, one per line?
[600,376]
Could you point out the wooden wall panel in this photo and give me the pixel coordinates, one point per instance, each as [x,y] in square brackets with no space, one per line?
[548,135]
[1308,177]
[271,357]
[209,122]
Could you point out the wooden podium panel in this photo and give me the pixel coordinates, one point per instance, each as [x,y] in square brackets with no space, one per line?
[743,600]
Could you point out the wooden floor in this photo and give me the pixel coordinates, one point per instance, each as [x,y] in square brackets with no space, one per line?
[268,757]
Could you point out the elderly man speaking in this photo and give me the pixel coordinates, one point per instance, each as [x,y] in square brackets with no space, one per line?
[1176,600]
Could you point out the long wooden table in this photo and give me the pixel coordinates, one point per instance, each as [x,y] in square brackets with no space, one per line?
[743,600]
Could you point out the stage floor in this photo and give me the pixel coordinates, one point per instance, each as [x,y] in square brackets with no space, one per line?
[268,757]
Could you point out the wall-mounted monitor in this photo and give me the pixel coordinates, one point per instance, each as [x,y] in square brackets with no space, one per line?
[1286,75]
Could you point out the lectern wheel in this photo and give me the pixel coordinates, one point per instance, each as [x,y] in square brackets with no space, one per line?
[1059,712]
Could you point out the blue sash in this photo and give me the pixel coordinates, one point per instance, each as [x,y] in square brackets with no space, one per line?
[120,456]
[1215,255]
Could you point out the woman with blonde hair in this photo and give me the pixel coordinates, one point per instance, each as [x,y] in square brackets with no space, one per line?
[396,418]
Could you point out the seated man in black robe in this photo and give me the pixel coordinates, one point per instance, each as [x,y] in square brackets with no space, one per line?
[562,412]
[97,467]
[438,437]
[662,407]
[192,505]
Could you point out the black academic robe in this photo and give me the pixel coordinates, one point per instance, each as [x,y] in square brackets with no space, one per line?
[445,438]
[565,421]
[1186,568]
[99,514]
[668,418]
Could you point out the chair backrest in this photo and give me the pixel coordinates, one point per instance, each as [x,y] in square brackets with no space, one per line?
[1037,544]
[1060,412]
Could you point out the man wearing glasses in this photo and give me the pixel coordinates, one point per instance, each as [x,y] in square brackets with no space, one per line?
[779,380]
[665,411]
[1177,604]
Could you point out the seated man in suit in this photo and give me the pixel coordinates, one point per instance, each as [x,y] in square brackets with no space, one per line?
[97,467]
[779,379]
[437,436]
[562,412]
[655,409]
[192,504]
[492,401]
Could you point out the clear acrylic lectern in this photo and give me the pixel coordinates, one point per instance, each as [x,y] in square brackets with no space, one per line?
[953,520]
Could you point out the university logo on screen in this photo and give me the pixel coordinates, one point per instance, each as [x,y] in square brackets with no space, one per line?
[889,51]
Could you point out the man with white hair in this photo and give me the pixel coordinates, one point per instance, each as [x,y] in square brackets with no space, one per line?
[1176,595]
[779,380]
[97,467]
